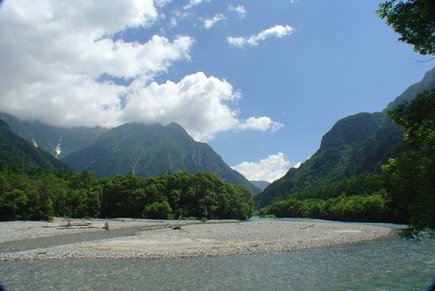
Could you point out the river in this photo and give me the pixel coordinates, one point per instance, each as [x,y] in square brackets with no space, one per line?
[391,264]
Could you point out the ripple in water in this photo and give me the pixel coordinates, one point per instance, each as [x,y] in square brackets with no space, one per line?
[392,264]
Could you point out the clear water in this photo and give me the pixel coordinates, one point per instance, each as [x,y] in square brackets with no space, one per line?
[392,264]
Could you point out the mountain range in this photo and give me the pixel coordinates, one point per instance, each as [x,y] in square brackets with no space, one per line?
[357,144]
[143,150]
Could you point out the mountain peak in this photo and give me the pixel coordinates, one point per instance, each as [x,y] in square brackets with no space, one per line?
[150,150]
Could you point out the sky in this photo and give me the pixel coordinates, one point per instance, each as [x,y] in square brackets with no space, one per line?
[260,81]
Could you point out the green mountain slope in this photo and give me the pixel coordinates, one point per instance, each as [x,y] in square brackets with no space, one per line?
[54,139]
[150,150]
[16,152]
[426,84]
[356,144]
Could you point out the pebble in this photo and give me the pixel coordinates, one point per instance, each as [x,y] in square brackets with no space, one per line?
[198,239]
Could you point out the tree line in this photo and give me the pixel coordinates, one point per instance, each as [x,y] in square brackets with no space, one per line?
[358,198]
[39,195]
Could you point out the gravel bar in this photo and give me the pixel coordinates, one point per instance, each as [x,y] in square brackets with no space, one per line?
[137,238]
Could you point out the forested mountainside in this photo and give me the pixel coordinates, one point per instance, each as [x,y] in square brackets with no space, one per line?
[356,144]
[16,152]
[59,141]
[150,150]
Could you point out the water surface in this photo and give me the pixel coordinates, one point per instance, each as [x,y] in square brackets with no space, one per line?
[392,264]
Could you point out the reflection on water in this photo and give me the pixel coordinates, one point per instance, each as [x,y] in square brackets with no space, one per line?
[392,264]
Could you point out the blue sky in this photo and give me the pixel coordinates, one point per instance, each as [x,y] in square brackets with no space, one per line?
[260,81]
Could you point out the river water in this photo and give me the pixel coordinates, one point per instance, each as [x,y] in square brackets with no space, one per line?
[391,264]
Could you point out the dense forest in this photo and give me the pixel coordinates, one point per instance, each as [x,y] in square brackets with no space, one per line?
[40,195]
[358,198]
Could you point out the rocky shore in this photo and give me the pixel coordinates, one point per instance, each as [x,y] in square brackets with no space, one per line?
[137,238]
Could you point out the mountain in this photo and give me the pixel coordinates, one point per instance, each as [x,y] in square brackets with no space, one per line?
[149,150]
[356,144]
[59,141]
[426,84]
[16,152]
[260,184]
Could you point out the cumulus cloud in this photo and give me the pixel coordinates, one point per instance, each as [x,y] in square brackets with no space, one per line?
[239,9]
[60,65]
[269,169]
[210,22]
[199,103]
[278,31]
[262,123]
[54,54]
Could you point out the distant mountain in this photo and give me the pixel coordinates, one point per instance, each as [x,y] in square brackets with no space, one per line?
[356,144]
[260,184]
[59,141]
[149,150]
[16,152]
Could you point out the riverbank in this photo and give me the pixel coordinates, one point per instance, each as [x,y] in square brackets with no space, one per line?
[137,238]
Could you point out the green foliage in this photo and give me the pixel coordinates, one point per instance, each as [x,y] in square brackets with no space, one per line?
[12,204]
[363,184]
[414,20]
[39,196]
[160,209]
[345,208]
[411,176]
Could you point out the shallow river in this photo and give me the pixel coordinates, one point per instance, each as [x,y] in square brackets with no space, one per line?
[392,264]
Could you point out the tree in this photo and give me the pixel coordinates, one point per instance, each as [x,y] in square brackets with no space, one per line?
[12,204]
[414,20]
[412,175]
[158,210]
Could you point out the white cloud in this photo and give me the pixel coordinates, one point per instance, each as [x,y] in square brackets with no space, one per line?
[278,31]
[193,3]
[269,169]
[198,103]
[263,123]
[54,52]
[57,62]
[240,10]
[162,3]
[209,23]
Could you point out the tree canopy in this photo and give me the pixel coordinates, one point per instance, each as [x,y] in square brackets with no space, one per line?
[41,195]
[414,20]
[412,175]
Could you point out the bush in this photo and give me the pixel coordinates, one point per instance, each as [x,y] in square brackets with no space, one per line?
[160,210]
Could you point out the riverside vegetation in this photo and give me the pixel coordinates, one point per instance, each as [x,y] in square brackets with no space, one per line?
[40,195]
